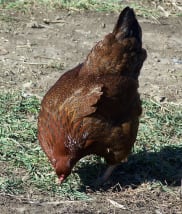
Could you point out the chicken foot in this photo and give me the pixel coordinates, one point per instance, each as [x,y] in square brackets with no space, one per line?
[101,180]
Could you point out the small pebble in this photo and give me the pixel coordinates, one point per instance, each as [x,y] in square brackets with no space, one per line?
[34,24]
[46,21]
[162,99]
[3,51]
[103,25]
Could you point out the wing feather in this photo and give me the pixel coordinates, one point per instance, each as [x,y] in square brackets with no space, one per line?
[73,113]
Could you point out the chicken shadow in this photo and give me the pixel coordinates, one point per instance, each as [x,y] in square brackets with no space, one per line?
[164,166]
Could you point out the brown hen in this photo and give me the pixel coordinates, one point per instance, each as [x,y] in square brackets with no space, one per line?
[95,107]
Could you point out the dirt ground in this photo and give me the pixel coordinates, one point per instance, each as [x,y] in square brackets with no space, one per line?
[35,49]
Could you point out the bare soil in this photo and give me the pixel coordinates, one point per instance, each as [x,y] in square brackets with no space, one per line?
[36,48]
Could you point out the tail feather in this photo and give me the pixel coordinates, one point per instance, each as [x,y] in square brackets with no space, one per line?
[127,25]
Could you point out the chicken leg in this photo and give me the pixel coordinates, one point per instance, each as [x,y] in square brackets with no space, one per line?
[101,180]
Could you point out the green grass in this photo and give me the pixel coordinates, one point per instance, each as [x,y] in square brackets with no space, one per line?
[96,5]
[145,8]
[25,163]
[24,166]
[142,7]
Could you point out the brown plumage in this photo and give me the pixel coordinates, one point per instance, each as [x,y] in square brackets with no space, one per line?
[95,107]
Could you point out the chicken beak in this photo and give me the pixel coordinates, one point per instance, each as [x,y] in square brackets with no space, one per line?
[61,179]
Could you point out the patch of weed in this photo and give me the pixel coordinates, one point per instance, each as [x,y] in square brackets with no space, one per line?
[156,156]
[143,8]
